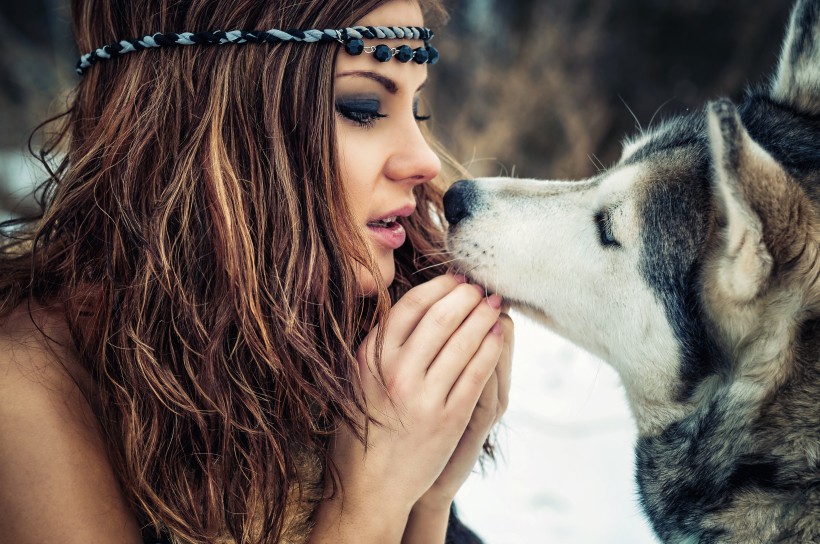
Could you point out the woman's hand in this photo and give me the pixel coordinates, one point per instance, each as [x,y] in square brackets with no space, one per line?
[433,507]
[491,406]
[442,345]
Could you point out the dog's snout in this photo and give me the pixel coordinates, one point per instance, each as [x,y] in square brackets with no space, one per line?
[457,201]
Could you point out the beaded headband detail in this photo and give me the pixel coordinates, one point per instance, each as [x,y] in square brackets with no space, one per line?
[352,38]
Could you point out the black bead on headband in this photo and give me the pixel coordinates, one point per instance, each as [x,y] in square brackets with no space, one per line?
[352,38]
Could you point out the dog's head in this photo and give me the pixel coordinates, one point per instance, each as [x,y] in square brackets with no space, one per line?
[701,242]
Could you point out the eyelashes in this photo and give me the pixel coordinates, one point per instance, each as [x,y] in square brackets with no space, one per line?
[365,111]
[420,118]
[364,119]
[362,111]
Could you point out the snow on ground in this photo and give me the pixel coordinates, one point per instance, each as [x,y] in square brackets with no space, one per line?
[566,471]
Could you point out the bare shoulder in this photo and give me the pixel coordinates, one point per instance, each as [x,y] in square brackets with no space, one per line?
[37,363]
[34,347]
[56,482]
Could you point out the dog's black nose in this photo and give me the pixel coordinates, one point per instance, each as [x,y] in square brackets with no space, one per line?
[457,201]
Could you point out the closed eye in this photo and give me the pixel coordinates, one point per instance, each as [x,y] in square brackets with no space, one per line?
[362,111]
[416,112]
[604,223]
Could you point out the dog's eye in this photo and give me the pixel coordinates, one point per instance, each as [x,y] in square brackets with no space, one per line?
[604,222]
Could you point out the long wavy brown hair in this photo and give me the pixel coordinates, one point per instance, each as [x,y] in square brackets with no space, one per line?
[196,232]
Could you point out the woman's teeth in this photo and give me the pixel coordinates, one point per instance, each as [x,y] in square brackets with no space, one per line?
[386,222]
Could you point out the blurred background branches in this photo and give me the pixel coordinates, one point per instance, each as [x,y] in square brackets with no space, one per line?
[550,88]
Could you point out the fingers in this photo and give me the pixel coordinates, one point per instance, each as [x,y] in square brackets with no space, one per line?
[462,345]
[410,309]
[494,399]
[486,410]
[441,333]
[504,368]
[472,380]
[406,314]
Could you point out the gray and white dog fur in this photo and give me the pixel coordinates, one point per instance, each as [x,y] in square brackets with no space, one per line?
[693,267]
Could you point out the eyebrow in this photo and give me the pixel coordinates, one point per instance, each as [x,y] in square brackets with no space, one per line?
[384,81]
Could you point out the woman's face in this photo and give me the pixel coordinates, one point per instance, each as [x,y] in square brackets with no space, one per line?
[382,151]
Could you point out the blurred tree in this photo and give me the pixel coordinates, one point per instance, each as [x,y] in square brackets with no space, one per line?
[36,72]
[550,87]
[36,64]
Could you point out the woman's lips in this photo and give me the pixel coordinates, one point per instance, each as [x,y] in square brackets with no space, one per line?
[391,236]
[386,230]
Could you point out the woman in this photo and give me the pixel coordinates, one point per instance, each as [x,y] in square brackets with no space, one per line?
[198,339]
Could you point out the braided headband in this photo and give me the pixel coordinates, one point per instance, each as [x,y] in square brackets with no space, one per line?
[352,38]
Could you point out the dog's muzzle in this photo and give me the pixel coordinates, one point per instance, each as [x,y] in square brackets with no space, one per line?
[458,201]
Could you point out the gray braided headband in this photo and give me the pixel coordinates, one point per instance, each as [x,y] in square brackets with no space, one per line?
[352,38]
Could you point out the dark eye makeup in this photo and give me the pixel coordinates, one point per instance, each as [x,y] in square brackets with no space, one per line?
[364,111]
[416,112]
[361,110]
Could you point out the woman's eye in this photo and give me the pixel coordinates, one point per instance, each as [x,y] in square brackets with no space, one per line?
[416,113]
[363,112]
[604,222]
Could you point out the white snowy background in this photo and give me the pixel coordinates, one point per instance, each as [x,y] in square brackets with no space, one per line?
[565,470]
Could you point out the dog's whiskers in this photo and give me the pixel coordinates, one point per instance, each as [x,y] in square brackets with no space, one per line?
[635,117]
[597,163]
[434,266]
[468,272]
[657,111]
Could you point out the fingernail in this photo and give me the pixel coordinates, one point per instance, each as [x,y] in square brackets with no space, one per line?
[497,328]
[495,301]
[460,278]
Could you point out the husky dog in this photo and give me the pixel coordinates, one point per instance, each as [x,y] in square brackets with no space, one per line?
[692,267]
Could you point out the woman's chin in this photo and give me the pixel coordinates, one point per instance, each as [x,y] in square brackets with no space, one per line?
[366,281]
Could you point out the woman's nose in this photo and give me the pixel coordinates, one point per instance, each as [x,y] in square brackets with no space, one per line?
[413,159]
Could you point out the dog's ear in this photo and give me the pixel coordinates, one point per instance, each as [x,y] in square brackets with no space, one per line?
[797,81]
[742,173]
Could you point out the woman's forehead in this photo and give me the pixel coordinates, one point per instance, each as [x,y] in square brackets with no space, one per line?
[407,76]
[394,13]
